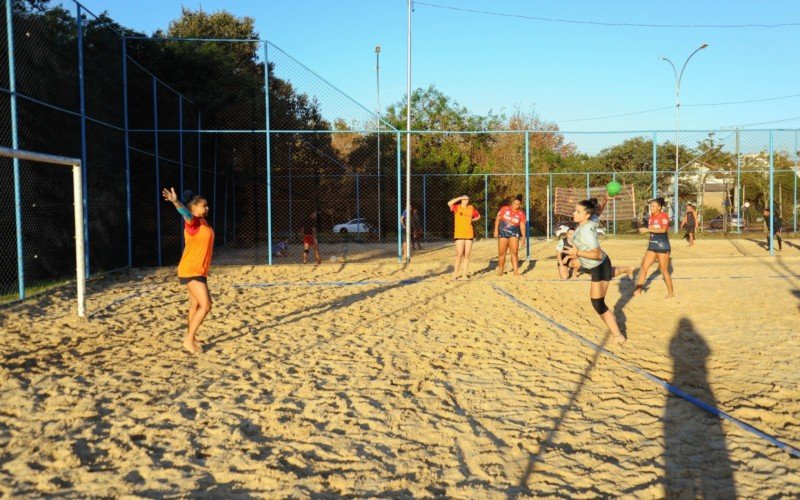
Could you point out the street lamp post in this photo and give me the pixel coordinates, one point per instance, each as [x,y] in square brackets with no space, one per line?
[380,181]
[678,77]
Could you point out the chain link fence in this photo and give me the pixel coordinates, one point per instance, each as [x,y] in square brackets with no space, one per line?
[269,142]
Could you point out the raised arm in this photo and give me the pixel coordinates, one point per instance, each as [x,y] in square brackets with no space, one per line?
[455,200]
[169,195]
[602,205]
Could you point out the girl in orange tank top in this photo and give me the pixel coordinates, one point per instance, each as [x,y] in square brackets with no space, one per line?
[195,261]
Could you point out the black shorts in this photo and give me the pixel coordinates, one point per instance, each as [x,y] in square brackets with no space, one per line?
[510,233]
[603,272]
[201,279]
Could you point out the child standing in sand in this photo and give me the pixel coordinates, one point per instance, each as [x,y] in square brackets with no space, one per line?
[195,261]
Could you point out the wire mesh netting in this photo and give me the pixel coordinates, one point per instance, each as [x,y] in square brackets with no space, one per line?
[269,144]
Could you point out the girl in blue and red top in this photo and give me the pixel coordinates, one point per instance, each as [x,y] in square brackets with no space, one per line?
[195,261]
[509,229]
[658,248]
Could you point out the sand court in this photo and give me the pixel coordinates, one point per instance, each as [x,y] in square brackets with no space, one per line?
[366,378]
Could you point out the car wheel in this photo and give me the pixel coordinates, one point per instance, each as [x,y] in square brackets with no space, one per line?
[343,230]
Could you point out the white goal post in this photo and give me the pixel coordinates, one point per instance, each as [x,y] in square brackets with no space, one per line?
[77,196]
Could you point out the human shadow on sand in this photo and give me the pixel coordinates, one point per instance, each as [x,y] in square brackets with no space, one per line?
[696,461]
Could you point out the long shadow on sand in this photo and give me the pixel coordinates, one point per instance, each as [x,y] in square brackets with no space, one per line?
[320,308]
[549,441]
[695,453]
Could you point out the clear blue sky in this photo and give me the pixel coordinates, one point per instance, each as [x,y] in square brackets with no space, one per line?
[563,71]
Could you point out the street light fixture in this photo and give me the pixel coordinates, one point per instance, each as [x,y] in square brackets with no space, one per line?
[678,77]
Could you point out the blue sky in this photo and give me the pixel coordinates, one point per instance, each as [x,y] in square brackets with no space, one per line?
[562,71]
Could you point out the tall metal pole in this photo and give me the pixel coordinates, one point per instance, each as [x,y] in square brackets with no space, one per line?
[527,197]
[158,173]
[12,84]
[771,205]
[84,151]
[408,132]
[486,205]
[655,165]
[678,77]
[425,207]
[398,174]
[269,157]
[180,143]
[127,149]
[378,110]
[199,153]
[738,185]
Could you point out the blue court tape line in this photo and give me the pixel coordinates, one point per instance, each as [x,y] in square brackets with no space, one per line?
[671,388]
[325,283]
[580,280]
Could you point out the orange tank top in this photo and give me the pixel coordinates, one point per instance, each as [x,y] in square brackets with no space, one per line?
[196,259]
[463,222]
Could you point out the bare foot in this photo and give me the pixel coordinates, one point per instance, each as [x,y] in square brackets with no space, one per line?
[620,339]
[499,272]
[516,273]
[191,346]
[638,291]
[629,272]
[670,296]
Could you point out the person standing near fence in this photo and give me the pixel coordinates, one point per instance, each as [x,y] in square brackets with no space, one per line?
[777,226]
[416,229]
[195,261]
[586,248]
[658,248]
[690,222]
[309,229]
[463,232]
[509,229]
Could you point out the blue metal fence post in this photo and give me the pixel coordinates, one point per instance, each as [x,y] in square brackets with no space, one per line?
[399,201]
[425,207]
[796,174]
[82,95]
[588,188]
[233,202]
[485,205]
[771,192]
[527,196]
[655,167]
[269,157]
[738,185]
[127,149]
[289,207]
[225,214]
[199,153]
[215,181]
[358,206]
[552,195]
[158,172]
[180,142]
[12,84]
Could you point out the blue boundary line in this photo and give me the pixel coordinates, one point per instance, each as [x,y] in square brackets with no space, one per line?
[671,388]
[325,283]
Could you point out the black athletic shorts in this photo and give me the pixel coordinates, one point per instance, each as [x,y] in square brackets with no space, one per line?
[513,232]
[603,272]
[201,279]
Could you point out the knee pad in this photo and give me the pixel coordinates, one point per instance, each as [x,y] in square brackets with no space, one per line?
[600,305]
